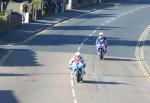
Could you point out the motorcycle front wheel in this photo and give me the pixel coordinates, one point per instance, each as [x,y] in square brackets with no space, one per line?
[101,54]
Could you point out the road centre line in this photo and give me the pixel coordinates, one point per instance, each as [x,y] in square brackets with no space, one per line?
[75,101]
[94,31]
[73,92]
[91,35]
[85,39]
[99,27]
[78,48]
[72,83]
[132,11]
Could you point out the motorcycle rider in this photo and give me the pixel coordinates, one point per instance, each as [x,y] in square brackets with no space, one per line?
[77,58]
[101,37]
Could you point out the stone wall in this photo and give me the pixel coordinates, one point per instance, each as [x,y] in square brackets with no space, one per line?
[15,7]
[11,22]
[14,20]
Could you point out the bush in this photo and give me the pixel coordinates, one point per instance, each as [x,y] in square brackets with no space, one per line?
[2,13]
[2,16]
[36,2]
[2,19]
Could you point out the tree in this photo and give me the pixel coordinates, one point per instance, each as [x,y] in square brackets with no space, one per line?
[35,5]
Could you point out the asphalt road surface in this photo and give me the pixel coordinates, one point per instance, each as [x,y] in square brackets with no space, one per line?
[37,70]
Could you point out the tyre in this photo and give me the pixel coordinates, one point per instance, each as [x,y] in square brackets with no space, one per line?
[78,76]
[101,55]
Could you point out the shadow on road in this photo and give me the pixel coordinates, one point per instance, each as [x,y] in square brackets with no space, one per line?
[12,75]
[118,59]
[57,40]
[7,96]
[19,57]
[101,82]
[91,27]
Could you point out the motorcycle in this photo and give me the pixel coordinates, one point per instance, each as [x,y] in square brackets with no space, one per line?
[101,49]
[77,68]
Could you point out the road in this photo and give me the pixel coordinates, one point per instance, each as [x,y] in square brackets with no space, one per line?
[36,71]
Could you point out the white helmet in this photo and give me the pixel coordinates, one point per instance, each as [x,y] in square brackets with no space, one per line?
[77,54]
[101,34]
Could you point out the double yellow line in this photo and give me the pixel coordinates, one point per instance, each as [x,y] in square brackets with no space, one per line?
[138,53]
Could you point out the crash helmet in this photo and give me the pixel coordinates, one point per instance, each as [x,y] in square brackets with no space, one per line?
[77,54]
[101,35]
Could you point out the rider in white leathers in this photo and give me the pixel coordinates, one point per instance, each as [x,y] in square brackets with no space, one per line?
[77,58]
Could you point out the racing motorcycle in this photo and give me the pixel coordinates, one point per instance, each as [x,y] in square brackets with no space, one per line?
[101,49]
[77,68]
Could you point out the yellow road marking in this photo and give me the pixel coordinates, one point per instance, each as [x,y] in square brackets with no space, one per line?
[138,52]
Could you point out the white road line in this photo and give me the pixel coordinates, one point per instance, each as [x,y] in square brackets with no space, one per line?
[103,24]
[131,11]
[119,16]
[91,35]
[75,101]
[98,27]
[9,45]
[94,31]
[124,14]
[78,48]
[107,22]
[81,10]
[72,83]
[85,39]
[33,36]
[82,44]
[73,93]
